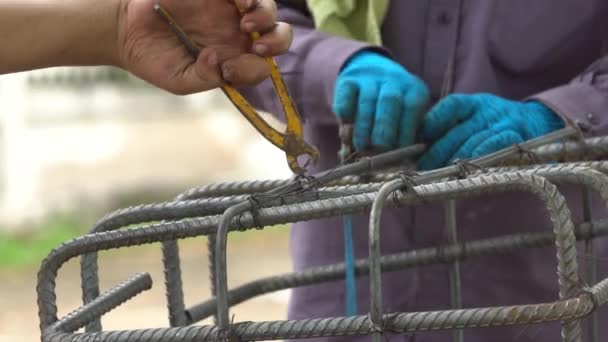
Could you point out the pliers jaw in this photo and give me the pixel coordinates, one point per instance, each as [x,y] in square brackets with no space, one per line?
[294,148]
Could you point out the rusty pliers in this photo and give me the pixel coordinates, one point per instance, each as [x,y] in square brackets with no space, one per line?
[291,141]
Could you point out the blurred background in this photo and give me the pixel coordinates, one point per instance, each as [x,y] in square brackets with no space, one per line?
[76,143]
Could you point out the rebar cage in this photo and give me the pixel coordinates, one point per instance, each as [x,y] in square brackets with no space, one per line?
[374,182]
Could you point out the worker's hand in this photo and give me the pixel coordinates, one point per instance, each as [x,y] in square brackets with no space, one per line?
[149,49]
[382,99]
[470,126]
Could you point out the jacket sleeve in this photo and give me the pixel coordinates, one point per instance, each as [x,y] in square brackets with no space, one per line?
[310,69]
[584,101]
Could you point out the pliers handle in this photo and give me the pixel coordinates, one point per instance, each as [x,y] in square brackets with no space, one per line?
[291,141]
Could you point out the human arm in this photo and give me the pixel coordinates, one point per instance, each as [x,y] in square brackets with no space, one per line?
[129,34]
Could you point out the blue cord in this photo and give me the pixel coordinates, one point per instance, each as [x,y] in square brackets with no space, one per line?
[349,263]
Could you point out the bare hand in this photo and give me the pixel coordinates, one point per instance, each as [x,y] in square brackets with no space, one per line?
[150,50]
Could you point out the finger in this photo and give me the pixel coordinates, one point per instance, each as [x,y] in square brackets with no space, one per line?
[445,148]
[201,75]
[446,114]
[246,69]
[259,16]
[466,150]
[497,142]
[274,42]
[388,112]
[225,53]
[364,120]
[416,100]
[345,100]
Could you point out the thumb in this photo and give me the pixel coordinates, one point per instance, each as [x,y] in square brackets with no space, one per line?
[200,75]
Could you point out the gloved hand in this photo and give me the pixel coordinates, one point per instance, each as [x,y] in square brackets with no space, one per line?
[469,126]
[382,99]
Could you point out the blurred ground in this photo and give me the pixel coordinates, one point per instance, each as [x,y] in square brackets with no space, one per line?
[251,255]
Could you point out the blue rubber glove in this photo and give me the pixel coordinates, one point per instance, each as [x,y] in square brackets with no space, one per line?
[382,99]
[470,126]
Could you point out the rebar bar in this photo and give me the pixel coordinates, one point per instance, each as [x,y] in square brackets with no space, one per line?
[206,225]
[486,184]
[173,283]
[572,308]
[590,261]
[310,202]
[375,272]
[566,173]
[544,149]
[571,330]
[594,147]
[223,319]
[181,210]
[596,164]
[455,277]
[104,303]
[363,166]
[391,263]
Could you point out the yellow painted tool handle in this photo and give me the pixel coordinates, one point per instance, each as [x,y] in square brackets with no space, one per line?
[294,124]
[253,117]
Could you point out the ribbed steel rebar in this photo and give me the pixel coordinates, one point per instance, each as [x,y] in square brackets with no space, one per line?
[173,284]
[547,151]
[142,214]
[564,239]
[365,165]
[556,135]
[572,308]
[455,275]
[223,228]
[181,210]
[590,261]
[186,211]
[391,263]
[370,164]
[590,148]
[574,145]
[599,165]
[375,271]
[567,265]
[596,146]
[104,303]
[571,330]
[204,226]
[590,178]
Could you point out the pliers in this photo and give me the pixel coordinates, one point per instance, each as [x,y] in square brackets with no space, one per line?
[291,141]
